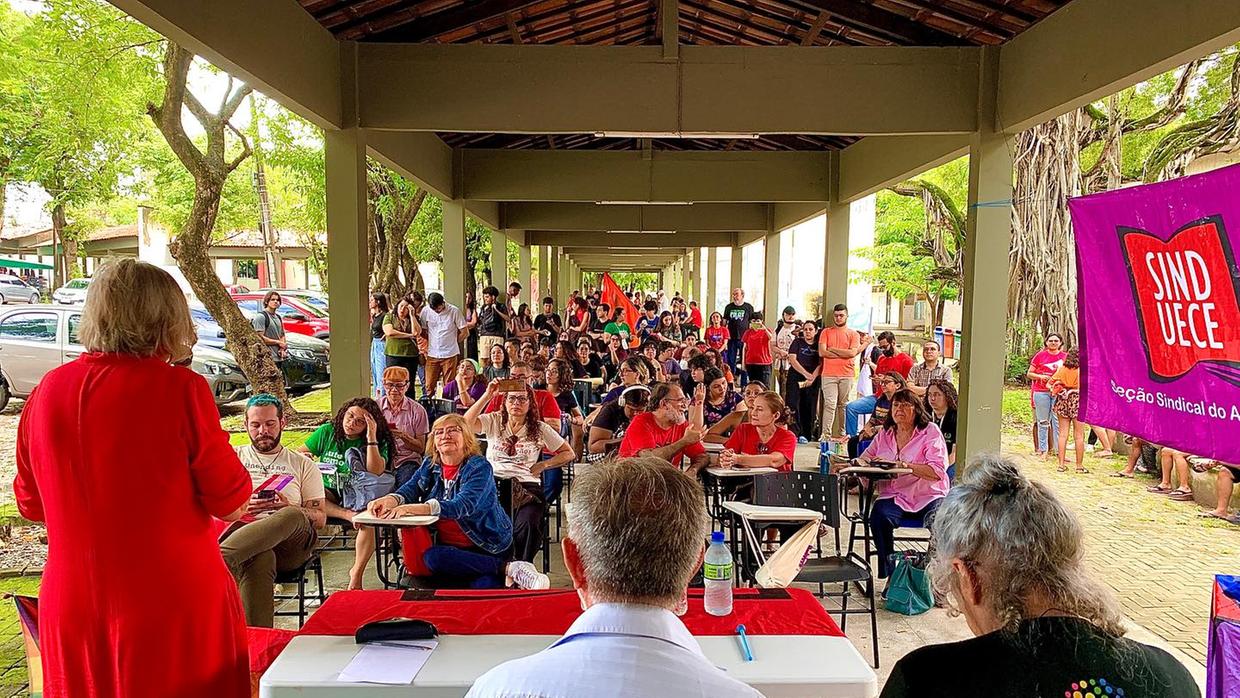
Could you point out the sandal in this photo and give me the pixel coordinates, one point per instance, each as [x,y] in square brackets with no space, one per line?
[1121,473]
[1082,470]
[1062,469]
[1180,495]
[1158,489]
[1104,454]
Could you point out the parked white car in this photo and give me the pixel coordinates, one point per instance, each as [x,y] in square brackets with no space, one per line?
[72,293]
[14,290]
[37,339]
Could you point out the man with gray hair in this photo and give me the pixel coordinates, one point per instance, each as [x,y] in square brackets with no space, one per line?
[629,641]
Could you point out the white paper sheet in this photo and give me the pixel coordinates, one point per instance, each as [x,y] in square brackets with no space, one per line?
[388,663]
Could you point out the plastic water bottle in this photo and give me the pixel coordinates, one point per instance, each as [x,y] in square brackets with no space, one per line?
[717,577]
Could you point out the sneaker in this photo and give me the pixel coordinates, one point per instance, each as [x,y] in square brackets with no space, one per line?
[525,576]
[802,440]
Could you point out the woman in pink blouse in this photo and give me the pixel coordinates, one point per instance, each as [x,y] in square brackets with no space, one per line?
[910,440]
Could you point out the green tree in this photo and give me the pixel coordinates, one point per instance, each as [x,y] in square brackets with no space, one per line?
[210,168]
[919,240]
[75,77]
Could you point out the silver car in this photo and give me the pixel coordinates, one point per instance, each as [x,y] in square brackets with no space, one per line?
[36,339]
[72,293]
[14,290]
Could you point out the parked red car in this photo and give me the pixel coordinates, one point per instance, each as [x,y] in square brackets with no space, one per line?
[297,315]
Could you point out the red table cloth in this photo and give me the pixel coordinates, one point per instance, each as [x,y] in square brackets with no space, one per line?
[551,612]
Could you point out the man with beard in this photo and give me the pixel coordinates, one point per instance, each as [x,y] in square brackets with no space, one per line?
[890,360]
[665,432]
[280,535]
[838,345]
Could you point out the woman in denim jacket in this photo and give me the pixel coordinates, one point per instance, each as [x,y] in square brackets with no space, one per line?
[474,532]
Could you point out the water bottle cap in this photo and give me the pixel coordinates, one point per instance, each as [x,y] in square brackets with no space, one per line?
[716,537]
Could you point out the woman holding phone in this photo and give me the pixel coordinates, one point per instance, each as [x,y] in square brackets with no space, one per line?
[516,439]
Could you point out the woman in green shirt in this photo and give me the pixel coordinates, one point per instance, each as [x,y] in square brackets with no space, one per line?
[358,444]
[400,332]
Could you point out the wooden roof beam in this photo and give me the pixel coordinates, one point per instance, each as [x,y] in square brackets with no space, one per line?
[415,29]
[900,28]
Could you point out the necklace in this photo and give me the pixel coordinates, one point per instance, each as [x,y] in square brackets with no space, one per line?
[268,464]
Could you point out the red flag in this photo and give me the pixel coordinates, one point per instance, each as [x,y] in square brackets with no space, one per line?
[615,298]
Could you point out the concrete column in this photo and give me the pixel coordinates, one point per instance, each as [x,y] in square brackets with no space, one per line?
[835,266]
[345,166]
[686,278]
[712,274]
[770,279]
[499,261]
[524,275]
[987,242]
[553,274]
[545,287]
[454,282]
[735,281]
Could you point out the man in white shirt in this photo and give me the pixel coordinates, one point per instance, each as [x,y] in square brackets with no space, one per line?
[280,534]
[629,641]
[445,330]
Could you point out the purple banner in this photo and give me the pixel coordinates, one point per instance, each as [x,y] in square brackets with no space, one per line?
[1158,292]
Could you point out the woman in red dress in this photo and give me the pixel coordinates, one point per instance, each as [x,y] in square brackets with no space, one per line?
[121,453]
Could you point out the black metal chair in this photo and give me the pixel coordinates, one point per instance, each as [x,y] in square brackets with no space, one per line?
[823,493]
[343,541]
[299,577]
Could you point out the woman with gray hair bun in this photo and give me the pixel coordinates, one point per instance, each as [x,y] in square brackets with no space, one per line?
[1009,557]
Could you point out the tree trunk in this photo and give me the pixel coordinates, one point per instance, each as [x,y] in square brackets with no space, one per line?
[191,251]
[60,266]
[1042,262]
[190,247]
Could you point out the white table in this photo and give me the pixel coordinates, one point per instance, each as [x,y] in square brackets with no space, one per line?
[740,472]
[784,666]
[399,522]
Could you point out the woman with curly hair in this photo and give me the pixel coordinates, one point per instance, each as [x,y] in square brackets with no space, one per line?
[1010,557]
[516,438]
[940,403]
[1065,385]
[358,443]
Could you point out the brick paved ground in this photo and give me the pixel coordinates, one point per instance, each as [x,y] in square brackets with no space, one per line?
[1155,554]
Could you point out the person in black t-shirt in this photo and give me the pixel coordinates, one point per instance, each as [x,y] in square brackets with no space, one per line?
[1044,627]
[803,382]
[378,360]
[737,315]
[548,324]
[612,419]
[492,322]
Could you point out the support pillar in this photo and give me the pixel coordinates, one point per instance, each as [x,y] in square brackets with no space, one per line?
[987,243]
[345,166]
[835,264]
[499,262]
[686,278]
[712,281]
[545,287]
[553,274]
[524,274]
[454,281]
[738,258]
[770,279]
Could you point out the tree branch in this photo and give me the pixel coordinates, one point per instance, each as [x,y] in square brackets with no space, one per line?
[245,147]
[167,116]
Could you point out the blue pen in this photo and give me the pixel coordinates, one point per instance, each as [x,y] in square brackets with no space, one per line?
[740,632]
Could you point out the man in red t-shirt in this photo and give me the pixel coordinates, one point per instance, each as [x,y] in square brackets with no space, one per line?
[548,408]
[889,361]
[664,431]
[757,340]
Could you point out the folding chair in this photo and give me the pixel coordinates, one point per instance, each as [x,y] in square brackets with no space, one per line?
[823,494]
[299,577]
